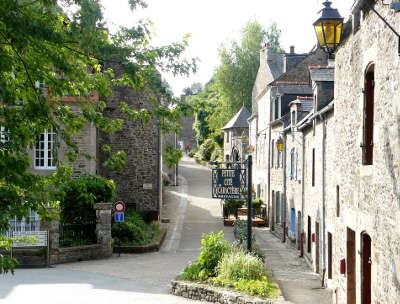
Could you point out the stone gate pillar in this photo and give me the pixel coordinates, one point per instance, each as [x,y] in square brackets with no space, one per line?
[103,227]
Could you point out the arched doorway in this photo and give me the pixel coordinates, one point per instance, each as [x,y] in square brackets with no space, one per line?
[365,269]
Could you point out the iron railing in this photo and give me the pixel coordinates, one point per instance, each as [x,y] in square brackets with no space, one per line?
[77,234]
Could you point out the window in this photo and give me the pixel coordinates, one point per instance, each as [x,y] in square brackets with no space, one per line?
[368,117]
[337,201]
[45,151]
[280,158]
[293,164]
[227,136]
[277,207]
[313,168]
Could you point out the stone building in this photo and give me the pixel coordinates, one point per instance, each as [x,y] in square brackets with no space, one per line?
[341,163]
[236,134]
[367,159]
[138,184]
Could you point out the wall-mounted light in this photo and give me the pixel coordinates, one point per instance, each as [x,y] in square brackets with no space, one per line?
[279,144]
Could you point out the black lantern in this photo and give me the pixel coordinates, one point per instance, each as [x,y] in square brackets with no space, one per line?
[329,28]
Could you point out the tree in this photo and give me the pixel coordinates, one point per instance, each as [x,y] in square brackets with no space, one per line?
[237,72]
[50,49]
[273,37]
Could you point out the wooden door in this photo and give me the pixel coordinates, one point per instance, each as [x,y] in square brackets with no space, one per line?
[329,255]
[351,266]
[366,269]
[316,247]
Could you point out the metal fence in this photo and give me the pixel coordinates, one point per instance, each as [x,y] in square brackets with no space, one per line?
[234,212]
[77,234]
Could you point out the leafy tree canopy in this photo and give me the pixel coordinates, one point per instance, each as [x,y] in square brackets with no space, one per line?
[50,49]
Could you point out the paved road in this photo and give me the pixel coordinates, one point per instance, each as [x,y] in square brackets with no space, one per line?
[131,278]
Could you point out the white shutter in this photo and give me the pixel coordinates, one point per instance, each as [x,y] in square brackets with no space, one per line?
[295,164]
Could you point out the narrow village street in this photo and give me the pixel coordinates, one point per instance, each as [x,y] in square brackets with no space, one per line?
[130,278]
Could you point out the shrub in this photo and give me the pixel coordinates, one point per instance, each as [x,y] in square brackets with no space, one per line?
[257,203]
[79,195]
[165,179]
[205,150]
[134,230]
[194,272]
[234,203]
[238,264]
[240,232]
[192,153]
[217,155]
[213,247]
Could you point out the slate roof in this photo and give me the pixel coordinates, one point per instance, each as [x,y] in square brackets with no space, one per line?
[322,73]
[295,89]
[300,73]
[239,120]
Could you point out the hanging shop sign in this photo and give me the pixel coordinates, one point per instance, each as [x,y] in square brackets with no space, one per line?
[228,183]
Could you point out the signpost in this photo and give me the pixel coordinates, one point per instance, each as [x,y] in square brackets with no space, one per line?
[230,183]
[119,217]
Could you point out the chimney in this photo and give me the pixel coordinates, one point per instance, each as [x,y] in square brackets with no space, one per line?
[292,49]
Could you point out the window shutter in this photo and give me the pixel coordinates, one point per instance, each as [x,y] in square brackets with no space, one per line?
[290,164]
[295,165]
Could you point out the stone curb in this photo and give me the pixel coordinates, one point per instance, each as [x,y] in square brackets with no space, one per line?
[203,292]
[155,246]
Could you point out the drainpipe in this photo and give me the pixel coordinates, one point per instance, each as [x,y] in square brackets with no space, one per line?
[302,195]
[323,199]
[270,208]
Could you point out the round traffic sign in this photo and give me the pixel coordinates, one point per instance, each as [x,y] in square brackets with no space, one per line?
[119,206]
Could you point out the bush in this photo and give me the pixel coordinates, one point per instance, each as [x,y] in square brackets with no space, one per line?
[238,264]
[217,155]
[79,195]
[257,203]
[213,247]
[205,150]
[165,179]
[192,153]
[234,203]
[134,230]
[240,232]
[245,273]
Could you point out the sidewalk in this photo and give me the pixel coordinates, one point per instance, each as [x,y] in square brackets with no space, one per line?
[298,283]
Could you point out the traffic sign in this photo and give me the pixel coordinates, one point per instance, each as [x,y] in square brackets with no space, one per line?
[119,206]
[119,217]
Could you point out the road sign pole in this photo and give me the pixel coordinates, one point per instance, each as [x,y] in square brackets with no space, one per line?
[249,224]
[119,239]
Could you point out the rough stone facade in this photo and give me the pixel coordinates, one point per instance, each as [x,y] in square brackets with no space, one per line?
[187,134]
[137,183]
[202,292]
[369,195]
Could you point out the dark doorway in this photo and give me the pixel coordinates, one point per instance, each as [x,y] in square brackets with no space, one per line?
[329,255]
[273,210]
[316,247]
[365,269]
[351,266]
[309,234]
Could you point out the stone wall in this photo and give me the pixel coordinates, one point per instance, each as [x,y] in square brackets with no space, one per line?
[137,182]
[370,195]
[187,134]
[202,292]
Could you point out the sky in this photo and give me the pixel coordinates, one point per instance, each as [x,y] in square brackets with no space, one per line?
[211,23]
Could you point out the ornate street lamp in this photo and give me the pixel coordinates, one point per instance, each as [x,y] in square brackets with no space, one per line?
[328,28]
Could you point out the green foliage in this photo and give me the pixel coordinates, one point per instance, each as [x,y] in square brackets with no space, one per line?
[194,272]
[49,59]
[192,153]
[165,179]
[240,232]
[238,264]
[134,230]
[234,203]
[213,247]
[257,203]
[217,154]
[244,272]
[172,156]
[79,195]
[205,150]
[274,37]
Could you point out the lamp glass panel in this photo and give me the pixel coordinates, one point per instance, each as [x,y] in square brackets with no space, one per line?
[338,32]
[320,34]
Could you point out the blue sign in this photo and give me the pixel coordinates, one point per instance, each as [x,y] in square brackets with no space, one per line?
[119,217]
